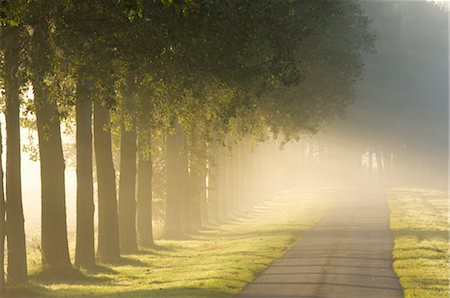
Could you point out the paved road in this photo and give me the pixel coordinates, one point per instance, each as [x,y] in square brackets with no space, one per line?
[347,254]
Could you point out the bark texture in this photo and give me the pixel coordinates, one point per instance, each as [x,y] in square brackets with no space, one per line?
[55,250]
[2,222]
[108,224]
[144,195]
[127,190]
[127,182]
[84,251]
[17,256]
[177,175]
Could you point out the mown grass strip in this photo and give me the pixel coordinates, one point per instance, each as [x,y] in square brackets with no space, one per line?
[419,221]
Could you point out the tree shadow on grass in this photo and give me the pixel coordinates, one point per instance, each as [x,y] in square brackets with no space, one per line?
[422,234]
[69,275]
[26,290]
[126,261]
[175,235]
[101,269]
[34,291]
[157,250]
[175,292]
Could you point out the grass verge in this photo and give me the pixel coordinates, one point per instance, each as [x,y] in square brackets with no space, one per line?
[419,221]
[216,262]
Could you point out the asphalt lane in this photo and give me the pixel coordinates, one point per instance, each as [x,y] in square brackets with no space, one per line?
[347,254]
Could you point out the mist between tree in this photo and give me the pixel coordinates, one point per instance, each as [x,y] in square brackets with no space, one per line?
[152,120]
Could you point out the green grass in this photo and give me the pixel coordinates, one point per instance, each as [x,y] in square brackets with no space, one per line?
[419,221]
[216,262]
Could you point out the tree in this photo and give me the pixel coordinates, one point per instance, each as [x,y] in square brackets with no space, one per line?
[86,58]
[15,230]
[55,251]
[84,251]
[177,182]
[108,224]
[2,222]
[127,183]
[144,194]
[205,73]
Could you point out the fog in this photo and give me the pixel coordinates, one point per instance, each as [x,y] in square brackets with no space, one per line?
[164,121]
[399,119]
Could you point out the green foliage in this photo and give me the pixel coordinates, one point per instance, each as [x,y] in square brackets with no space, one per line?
[225,68]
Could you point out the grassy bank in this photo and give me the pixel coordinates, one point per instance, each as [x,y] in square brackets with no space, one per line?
[419,221]
[216,262]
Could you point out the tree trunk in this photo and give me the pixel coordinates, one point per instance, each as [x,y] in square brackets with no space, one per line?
[2,222]
[84,251]
[108,224]
[144,193]
[222,184]
[55,251]
[177,172]
[204,216]
[244,194]
[127,182]
[127,190]
[197,181]
[15,231]
[54,230]
[226,186]
[213,183]
[186,189]
[235,182]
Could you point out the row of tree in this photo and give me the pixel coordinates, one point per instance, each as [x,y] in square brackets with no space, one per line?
[196,80]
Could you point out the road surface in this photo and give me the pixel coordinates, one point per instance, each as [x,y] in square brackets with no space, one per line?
[347,254]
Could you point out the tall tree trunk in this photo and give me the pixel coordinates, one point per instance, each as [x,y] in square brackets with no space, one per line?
[54,230]
[127,190]
[108,223]
[15,231]
[176,183]
[185,184]
[84,251]
[55,251]
[244,197]
[226,189]
[2,221]
[197,180]
[204,215]
[144,192]
[235,182]
[222,185]
[127,182]
[213,183]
